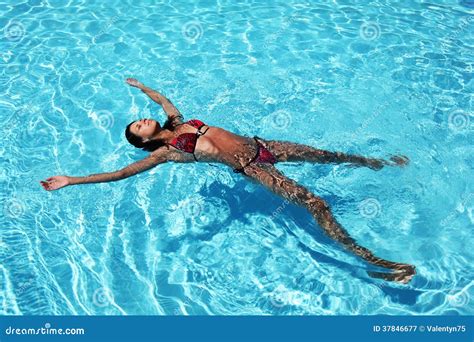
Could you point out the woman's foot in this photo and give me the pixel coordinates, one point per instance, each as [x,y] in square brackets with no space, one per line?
[399,160]
[377,164]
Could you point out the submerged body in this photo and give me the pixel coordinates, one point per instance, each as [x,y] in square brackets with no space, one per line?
[214,144]
[179,141]
[218,145]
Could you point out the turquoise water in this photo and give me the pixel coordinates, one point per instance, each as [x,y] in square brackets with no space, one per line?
[373,78]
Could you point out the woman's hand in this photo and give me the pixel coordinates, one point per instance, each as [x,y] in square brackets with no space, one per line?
[55,182]
[134,83]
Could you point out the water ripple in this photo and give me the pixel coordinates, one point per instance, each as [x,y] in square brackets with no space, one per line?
[200,240]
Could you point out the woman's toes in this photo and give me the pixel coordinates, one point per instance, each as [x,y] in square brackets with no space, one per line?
[400,160]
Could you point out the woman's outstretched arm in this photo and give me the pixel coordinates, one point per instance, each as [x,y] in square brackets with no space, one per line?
[174,116]
[57,182]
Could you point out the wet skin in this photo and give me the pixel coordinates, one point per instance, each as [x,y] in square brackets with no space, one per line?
[221,146]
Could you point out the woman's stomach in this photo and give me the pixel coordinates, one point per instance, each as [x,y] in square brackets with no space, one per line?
[219,145]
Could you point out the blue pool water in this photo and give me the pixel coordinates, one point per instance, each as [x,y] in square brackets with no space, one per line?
[374,78]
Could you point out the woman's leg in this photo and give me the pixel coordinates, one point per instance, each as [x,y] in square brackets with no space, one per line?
[274,180]
[292,152]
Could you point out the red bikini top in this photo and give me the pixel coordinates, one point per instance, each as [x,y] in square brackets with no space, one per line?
[187,141]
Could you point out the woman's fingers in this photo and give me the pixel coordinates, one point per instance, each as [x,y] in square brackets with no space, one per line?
[45,185]
[53,183]
[133,82]
[49,187]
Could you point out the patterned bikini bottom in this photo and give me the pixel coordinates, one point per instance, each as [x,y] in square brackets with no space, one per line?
[263,155]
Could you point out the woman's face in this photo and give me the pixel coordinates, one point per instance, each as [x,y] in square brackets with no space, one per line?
[145,128]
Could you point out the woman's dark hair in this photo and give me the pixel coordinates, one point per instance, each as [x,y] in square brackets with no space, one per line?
[149,146]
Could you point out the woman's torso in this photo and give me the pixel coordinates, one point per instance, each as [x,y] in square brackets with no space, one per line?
[217,145]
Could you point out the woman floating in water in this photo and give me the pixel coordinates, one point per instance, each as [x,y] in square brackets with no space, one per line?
[193,140]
